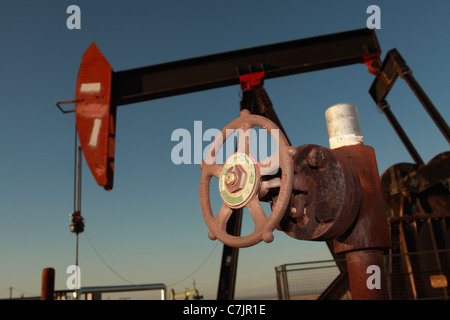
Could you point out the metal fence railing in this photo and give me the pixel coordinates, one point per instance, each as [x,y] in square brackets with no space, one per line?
[306,280]
[95,293]
[413,276]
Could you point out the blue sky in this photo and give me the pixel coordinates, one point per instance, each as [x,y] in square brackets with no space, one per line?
[149,228]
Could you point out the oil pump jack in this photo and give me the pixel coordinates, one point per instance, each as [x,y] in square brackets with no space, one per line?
[316,193]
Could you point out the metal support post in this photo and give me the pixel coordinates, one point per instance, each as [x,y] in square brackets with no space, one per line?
[48,284]
[228,269]
[385,107]
[367,275]
[427,104]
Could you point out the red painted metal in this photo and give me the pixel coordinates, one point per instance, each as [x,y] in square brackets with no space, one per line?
[372,61]
[95,116]
[251,81]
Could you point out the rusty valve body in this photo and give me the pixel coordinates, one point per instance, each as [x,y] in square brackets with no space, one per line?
[340,195]
[326,195]
[337,196]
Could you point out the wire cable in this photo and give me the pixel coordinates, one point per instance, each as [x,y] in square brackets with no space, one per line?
[104,262]
[196,269]
[127,281]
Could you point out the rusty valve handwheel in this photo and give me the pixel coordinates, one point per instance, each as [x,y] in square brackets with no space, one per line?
[240,181]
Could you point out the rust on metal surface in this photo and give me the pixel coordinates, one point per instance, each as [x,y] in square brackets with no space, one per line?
[367,275]
[326,195]
[407,179]
[48,284]
[95,116]
[415,193]
[417,200]
[370,230]
[235,198]
[235,178]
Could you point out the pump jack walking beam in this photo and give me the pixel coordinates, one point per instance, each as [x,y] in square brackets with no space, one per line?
[224,69]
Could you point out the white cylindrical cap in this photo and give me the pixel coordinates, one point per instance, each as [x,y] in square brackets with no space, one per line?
[343,125]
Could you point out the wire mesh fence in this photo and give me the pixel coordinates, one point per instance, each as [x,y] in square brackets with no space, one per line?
[413,276]
[306,280]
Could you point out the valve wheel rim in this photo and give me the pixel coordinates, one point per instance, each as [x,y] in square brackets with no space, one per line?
[264,225]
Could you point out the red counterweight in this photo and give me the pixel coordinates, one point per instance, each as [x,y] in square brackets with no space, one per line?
[95,116]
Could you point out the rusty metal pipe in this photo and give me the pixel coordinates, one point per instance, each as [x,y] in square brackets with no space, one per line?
[364,242]
[369,235]
[370,230]
[48,284]
[367,275]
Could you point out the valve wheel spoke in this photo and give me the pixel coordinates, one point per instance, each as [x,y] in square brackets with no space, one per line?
[269,165]
[266,185]
[256,211]
[244,137]
[224,215]
[215,169]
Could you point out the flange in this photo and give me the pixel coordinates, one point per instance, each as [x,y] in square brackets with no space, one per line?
[330,203]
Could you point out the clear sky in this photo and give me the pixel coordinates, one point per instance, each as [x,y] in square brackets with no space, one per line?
[150,228]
